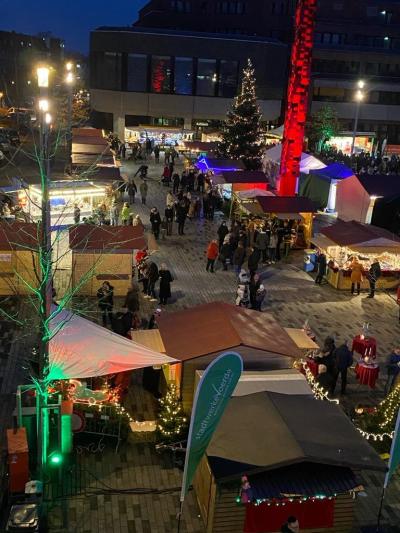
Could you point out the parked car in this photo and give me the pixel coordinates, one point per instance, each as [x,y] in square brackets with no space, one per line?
[11,134]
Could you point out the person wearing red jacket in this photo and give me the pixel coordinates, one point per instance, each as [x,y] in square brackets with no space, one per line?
[212,254]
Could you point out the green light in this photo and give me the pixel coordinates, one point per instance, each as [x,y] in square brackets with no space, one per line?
[55,459]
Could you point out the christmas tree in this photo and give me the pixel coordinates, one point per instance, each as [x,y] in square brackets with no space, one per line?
[242,129]
[171,423]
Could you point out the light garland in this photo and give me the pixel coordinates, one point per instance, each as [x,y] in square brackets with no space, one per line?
[375,436]
[319,392]
[170,414]
[392,401]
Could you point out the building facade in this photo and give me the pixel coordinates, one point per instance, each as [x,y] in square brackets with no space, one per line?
[354,39]
[19,57]
[176,78]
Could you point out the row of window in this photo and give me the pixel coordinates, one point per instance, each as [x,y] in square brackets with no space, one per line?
[232,7]
[369,41]
[331,66]
[165,74]
[333,94]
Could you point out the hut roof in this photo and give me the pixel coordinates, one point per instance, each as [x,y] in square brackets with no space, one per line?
[244,176]
[18,236]
[217,326]
[286,204]
[267,431]
[88,237]
[353,232]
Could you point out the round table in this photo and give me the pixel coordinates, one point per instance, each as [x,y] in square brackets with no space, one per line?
[364,346]
[367,374]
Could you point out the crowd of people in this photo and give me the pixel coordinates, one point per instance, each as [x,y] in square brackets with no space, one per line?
[363,162]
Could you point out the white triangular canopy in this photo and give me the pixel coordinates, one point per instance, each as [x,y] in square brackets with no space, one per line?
[308,162]
[82,349]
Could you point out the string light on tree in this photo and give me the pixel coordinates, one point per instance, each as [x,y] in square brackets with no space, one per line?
[171,423]
[241,135]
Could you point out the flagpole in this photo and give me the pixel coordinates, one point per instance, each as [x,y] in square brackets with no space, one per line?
[180,516]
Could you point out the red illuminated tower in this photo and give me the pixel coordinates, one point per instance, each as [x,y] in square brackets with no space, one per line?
[297,97]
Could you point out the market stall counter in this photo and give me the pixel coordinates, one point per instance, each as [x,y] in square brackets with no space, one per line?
[346,240]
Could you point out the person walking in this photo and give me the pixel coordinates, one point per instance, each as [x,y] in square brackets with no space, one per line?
[253,260]
[181,213]
[222,232]
[152,276]
[105,298]
[254,285]
[131,190]
[238,257]
[356,276]
[114,213]
[261,243]
[165,284]
[132,299]
[273,243]
[343,359]
[155,221]
[393,369]
[374,273]
[225,253]
[260,297]
[169,200]
[169,217]
[143,191]
[321,272]
[157,153]
[125,212]
[212,254]
[175,183]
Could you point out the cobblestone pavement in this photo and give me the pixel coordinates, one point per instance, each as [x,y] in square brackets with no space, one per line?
[292,297]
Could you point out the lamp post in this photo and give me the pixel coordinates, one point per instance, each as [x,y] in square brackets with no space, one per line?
[359,96]
[69,80]
[45,292]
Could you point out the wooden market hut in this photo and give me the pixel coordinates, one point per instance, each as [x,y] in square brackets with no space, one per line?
[18,258]
[197,335]
[242,180]
[343,240]
[104,253]
[296,464]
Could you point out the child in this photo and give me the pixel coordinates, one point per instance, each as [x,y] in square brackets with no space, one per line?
[164,227]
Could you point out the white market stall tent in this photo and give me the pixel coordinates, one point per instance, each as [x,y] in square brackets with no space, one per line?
[83,349]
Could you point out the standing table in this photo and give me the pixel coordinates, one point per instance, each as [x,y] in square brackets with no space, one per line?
[364,346]
[367,374]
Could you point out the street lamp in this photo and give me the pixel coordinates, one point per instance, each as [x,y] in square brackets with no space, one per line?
[359,97]
[69,80]
[43,77]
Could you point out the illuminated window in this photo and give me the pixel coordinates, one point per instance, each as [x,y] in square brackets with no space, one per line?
[206,77]
[161,74]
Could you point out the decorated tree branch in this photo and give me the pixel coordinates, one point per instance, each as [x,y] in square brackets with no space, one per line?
[241,136]
[171,422]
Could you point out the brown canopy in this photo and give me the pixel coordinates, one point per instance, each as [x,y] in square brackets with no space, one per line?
[353,232]
[86,237]
[18,236]
[218,326]
[286,204]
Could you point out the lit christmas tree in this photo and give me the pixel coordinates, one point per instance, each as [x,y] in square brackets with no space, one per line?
[171,423]
[241,136]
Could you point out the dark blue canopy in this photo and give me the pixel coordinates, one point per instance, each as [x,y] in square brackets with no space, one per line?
[336,171]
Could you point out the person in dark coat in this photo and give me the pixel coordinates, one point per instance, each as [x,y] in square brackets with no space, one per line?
[181,214]
[321,272]
[165,283]
[254,286]
[238,257]
[253,260]
[222,232]
[155,221]
[105,297]
[175,183]
[225,253]
[152,276]
[132,299]
[291,526]
[343,359]
[132,190]
[169,217]
[374,273]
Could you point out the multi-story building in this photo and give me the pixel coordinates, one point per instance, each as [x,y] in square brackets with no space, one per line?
[354,39]
[19,57]
[178,78]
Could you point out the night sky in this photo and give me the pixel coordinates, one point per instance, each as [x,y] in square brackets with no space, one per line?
[69,19]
